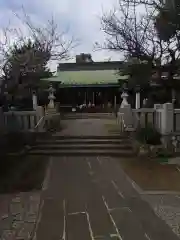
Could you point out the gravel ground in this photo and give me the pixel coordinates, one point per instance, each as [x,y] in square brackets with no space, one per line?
[18,215]
[167,207]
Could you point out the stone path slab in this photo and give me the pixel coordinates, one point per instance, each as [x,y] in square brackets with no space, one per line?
[85,127]
[88,198]
[91,198]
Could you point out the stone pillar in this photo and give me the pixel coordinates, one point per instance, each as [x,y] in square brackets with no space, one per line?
[167,119]
[138,101]
[157,116]
[34,99]
[128,116]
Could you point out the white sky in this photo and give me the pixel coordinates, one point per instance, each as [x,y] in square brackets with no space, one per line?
[82,17]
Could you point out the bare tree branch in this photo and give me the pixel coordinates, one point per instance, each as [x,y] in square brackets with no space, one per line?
[57,44]
[129,32]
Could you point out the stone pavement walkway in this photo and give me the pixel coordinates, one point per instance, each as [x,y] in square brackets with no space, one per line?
[91,198]
[88,198]
[79,127]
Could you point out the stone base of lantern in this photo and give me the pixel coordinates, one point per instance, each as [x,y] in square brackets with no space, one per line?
[50,109]
[50,112]
[51,104]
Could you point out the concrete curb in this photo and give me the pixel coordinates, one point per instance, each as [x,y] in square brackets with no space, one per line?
[160,193]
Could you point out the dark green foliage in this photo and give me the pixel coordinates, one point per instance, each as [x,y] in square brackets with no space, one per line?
[26,64]
[9,141]
[148,135]
[139,74]
[167,22]
[165,28]
[164,154]
[21,173]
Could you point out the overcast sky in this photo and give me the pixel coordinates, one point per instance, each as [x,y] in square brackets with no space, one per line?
[82,17]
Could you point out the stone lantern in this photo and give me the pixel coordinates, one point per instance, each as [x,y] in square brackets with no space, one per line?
[124,95]
[51,97]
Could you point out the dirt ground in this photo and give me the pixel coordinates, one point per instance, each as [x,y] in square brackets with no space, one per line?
[151,176]
[21,174]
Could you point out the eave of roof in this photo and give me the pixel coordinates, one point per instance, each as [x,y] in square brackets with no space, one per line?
[87,77]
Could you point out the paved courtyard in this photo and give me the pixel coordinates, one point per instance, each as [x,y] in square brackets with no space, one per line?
[91,198]
[88,198]
[86,127]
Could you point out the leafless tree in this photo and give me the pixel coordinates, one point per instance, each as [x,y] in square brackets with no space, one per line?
[54,43]
[131,29]
[132,33]
[51,43]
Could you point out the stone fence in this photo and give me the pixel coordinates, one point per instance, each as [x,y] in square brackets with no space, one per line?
[163,117]
[25,121]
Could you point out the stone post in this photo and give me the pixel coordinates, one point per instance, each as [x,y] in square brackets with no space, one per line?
[138,104]
[167,125]
[167,119]
[34,99]
[128,116]
[138,100]
[157,117]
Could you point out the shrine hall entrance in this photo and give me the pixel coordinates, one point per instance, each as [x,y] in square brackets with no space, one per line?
[96,96]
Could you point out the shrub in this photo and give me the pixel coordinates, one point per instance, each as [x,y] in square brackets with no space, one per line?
[148,135]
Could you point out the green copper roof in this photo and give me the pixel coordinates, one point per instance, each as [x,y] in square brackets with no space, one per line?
[86,77]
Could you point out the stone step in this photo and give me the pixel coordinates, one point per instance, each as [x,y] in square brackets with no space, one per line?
[83,141]
[89,115]
[77,152]
[83,146]
[89,137]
